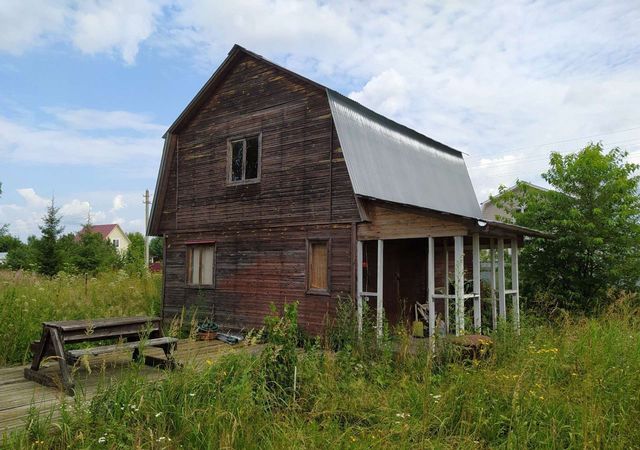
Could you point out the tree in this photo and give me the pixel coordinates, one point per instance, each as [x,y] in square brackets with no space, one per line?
[68,249]
[8,242]
[95,254]
[24,256]
[134,258]
[156,248]
[593,212]
[48,256]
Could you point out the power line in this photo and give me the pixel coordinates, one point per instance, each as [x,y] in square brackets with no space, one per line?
[632,143]
[537,146]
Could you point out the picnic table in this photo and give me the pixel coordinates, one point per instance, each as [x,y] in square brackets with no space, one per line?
[131,333]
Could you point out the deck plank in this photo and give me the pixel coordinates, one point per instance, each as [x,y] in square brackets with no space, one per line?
[18,395]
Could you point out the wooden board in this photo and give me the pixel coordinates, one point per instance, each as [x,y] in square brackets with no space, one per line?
[18,396]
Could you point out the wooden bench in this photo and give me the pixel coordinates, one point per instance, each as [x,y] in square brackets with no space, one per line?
[132,333]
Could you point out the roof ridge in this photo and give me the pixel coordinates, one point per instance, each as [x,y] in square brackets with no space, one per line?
[397,125]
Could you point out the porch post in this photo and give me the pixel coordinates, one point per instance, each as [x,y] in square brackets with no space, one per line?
[492,284]
[430,287]
[446,287]
[501,294]
[379,289]
[514,283]
[360,282]
[477,313]
[458,251]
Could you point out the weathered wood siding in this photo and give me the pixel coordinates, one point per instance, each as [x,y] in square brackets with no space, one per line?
[387,221]
[256,267]
[297,173]
[260,228]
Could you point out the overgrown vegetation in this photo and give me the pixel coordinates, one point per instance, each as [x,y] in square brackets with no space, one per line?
[593,212]
[571,384]
[28,299]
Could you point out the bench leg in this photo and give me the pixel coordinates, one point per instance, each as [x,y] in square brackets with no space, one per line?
[168,363]
[42,350]
[50,345]
[58,348]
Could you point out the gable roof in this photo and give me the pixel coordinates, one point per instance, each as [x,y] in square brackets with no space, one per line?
[488,201]
[385,160]
[104,230]
[391,162]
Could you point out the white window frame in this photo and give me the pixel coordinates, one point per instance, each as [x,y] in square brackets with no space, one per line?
[230,141]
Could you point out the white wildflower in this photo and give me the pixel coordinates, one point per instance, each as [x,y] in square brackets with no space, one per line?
[158,414]
[102,440]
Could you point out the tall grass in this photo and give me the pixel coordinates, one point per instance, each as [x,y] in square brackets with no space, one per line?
[573,384]
[27,300]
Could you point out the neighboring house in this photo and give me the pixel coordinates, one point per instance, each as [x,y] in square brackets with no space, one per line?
[491,211]
[273,188]
[3,258]
[113,233]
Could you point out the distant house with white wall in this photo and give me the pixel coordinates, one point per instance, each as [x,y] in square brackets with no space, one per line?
[3,258]
[113,233]
[490,211]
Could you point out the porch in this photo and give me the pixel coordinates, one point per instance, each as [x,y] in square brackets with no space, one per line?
[440,281]
[455,274]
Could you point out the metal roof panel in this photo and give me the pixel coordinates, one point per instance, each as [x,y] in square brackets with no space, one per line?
[389,161]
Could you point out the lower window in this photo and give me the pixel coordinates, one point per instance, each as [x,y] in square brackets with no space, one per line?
[201,264]
[318,266]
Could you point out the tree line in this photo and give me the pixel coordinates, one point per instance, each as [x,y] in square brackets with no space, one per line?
[85,252]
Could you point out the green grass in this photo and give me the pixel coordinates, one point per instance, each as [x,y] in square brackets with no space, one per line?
[27,300]
[574,384]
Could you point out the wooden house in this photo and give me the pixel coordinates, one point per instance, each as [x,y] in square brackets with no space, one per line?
[273,188]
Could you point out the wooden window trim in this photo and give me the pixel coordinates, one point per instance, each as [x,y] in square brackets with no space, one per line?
[307,278]
[190,247]
[230,181]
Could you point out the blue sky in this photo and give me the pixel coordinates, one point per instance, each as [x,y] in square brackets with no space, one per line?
[87,88]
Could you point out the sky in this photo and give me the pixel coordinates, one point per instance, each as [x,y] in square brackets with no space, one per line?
[87,88]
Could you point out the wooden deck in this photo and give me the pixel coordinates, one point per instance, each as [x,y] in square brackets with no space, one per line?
[18,395]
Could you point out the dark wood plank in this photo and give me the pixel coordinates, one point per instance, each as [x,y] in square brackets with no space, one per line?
[96,351]
[75,325]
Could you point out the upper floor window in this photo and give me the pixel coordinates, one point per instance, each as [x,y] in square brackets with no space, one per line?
[201,263]
[244,160]
[116,243]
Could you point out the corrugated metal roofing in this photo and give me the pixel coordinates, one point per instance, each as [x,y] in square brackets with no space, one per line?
[389,161]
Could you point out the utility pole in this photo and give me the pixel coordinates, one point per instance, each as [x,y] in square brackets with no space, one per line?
[146,223]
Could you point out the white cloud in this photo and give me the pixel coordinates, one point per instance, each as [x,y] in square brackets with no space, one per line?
[76,209]
[118,202]
[33,199]
[387,93]
[27,23]
[117,25]
[280,28]
[91,26]
[94,119]
[72,142]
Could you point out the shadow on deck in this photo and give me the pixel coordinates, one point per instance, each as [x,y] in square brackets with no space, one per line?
[18,395]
